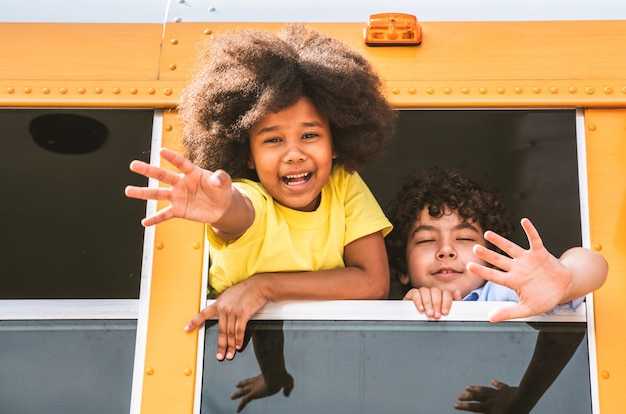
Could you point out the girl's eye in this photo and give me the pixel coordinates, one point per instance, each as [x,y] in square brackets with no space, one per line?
[466,239]
[310,135]
[271,140]
[424,241]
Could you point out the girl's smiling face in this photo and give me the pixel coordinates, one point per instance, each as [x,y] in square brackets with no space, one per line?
[438,250]
[292,153]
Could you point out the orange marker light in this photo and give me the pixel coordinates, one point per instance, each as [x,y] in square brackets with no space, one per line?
[392,29]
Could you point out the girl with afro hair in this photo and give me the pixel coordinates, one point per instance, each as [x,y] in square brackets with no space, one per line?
[276,127]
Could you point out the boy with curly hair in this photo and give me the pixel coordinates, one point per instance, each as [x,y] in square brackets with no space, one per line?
[275,128]
[443,247]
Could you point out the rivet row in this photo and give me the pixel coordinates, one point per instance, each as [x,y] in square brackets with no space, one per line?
[82,91]
[554,90]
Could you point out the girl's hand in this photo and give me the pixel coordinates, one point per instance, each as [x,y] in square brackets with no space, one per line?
[193,193]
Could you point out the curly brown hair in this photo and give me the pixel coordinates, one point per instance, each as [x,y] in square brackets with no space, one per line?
[245,75]
[442,190]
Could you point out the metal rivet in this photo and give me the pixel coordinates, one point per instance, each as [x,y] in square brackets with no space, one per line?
[133,91]
[82,90]
[483,90]
[554,89]
[196,245]
[62,90]
[159,245]
[149,371]
[501,90]
[151,91]
[172,66]
[572,89]
[117,91]
[447,91]
[10,89]
[518,90]
[167,91]
[536,89]
[27,89]
[430,91]
[592,127]
[178,19]
[208,31]
[98,90]
[589,90]
[623,89]
[174,41]
[412,91]
[187,372]
[608,90]
[211,9]
[604,374]
[597,247]
[45,90]
[168,127]
[465,90]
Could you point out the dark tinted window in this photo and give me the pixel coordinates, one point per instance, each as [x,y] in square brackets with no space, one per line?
[68,231]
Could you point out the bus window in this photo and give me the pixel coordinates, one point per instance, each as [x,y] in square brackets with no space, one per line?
[61,367]
[383,358]
[68,230]
[396,366]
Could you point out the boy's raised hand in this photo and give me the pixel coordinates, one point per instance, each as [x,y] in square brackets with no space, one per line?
[193,193]
[540,280]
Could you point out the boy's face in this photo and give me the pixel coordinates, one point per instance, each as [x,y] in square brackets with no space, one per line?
[292,153]
[438,250]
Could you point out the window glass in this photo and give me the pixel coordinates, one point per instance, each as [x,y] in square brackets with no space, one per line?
[60,367]
[68,231]
[399,367]
[529,155]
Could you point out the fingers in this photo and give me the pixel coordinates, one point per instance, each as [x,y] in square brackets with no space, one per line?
[153,171]
[488,273]
[510,312]
[503,244]
[181,163]
[204,315]
[490,256]
[534,240]
[433,302]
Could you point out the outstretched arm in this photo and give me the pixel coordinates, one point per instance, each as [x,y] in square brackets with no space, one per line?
[365,276]
[194,194]
[541,280]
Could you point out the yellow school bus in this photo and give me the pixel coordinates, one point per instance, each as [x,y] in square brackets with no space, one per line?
[92,305]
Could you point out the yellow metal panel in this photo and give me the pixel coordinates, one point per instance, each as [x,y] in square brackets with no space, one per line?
[72,64]
[461,64]
[606,159]
[77,51]
[169,377]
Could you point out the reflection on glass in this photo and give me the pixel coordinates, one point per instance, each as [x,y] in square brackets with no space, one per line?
[61,367]
[399,367]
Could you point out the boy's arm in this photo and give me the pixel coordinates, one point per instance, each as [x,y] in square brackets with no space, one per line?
[194,194]
[540,280]
[366,276]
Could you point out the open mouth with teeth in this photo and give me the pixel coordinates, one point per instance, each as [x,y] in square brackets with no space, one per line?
[297,179]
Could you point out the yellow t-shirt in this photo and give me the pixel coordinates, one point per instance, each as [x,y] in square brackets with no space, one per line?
[286,240]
